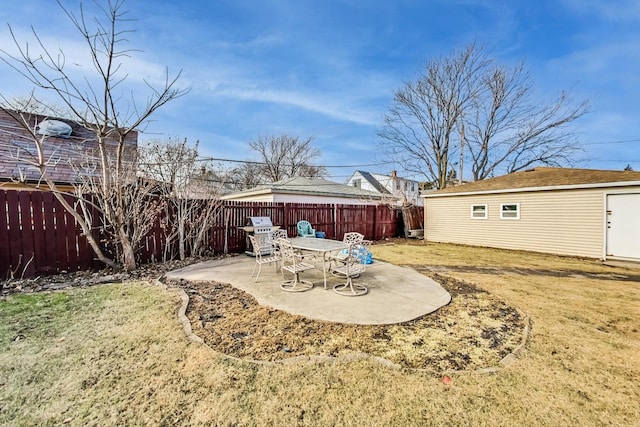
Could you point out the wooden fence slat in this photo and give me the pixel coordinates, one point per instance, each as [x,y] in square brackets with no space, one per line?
[16,258]
[39,238]
[5,255]
[26,219]
[59,218]
[50,231]
[71,237]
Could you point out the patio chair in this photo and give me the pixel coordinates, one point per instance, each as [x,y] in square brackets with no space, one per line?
[305,229]
[293,263]
[350,238]
[280,233]
[274,236]
[352,268]
[265,254]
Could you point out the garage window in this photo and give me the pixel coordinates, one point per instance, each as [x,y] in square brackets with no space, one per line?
[479,212]
[510,211]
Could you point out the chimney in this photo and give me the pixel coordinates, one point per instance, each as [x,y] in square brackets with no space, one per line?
[394,174]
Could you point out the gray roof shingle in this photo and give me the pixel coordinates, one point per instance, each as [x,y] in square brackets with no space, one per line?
[543,177]
[308,186]
[374,182]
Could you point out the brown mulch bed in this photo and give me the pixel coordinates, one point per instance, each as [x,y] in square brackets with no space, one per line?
[476,330]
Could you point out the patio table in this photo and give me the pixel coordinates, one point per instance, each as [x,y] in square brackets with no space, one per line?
[321,246]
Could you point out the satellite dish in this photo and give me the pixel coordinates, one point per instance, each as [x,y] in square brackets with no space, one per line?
[54,128]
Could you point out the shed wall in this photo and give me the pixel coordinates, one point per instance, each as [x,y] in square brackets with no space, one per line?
[566,222]
[295,198]
[303,198]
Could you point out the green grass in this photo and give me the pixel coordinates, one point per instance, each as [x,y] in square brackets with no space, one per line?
[116,355]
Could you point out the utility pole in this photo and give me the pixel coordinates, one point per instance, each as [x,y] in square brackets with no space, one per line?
[461,153]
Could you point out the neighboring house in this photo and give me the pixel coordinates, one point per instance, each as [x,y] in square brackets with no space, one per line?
[583,212]
[308,190]
[402,190]
[69,149]
[203,185]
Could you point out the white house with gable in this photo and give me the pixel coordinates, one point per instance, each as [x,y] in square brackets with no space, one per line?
[403,190]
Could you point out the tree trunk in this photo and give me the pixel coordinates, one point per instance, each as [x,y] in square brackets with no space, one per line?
[181,238]
[128,254]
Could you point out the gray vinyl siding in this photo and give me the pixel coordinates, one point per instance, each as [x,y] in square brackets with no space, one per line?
[568,222]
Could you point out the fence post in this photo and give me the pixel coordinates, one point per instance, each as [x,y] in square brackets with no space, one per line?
[285,216]
[334,217]
[375,222]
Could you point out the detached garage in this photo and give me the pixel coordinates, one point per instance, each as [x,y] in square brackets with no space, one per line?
[581,212]
[310,190]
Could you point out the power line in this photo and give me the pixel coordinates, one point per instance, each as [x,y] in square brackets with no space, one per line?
[215,159]
[622,141]
[618,161]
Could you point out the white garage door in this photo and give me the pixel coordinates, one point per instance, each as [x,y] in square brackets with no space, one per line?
[623,226]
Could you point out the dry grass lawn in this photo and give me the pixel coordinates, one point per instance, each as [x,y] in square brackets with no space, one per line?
[116,355]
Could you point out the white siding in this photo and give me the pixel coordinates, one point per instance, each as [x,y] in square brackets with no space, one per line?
[256,198]
[562,222]
[297,198]
[364,183]
[397,188]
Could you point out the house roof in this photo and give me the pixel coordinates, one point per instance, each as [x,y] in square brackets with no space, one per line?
[544,178]
[306,186]
[66,156]
[374,182]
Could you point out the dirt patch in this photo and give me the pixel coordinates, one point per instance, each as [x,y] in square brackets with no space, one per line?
[66,280]
[476,330]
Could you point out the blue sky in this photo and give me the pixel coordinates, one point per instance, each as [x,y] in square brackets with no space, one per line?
[328,69]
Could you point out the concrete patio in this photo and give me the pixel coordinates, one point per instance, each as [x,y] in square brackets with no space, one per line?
[396,294]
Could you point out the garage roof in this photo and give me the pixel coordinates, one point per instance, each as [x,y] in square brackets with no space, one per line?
[307,186]
[544,178]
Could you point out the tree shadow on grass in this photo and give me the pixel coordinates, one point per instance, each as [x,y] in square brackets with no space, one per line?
[498,271]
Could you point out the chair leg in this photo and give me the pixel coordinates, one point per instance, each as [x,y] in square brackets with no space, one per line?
[259,269]
[350,289]
[296,285]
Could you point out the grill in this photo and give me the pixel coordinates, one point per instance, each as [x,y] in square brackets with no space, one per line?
[259,226]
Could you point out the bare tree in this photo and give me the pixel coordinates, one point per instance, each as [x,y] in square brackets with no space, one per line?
[105,110]
[420,125]
[247,175]
[285,156]
[192,191]
[506,127]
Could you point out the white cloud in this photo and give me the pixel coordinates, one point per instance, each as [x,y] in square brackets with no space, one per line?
[612,64]
[71,51]
[308,101]
[614,11]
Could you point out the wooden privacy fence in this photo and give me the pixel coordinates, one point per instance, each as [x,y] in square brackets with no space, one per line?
[38,236]
[374,221]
